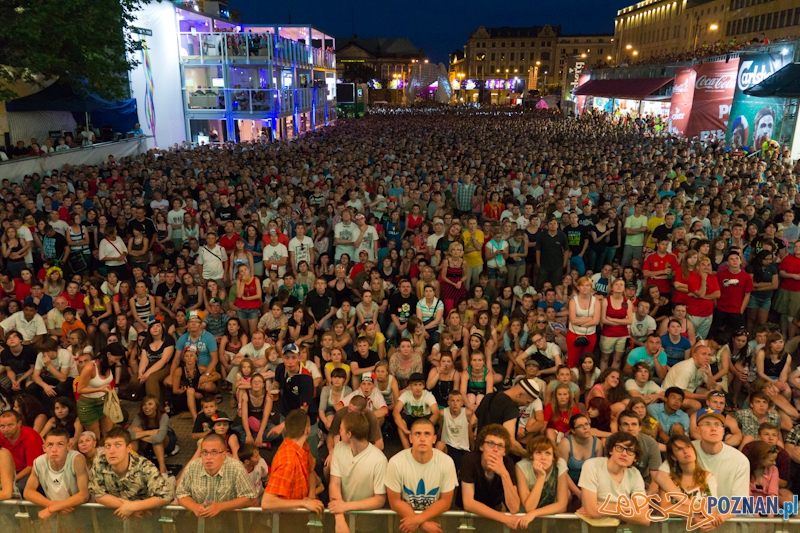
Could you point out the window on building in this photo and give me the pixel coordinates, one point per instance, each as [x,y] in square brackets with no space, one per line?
[494,45]
[512,57]
[493,56]
[549,44]
[574,51]
[522,56]
[561,62]
[768,24]
[563,51]
[503,44]
[600,51]
[480,70]
[601,40]
[762,24]
[796,16]
[502,57]
[513,44]
[545,56]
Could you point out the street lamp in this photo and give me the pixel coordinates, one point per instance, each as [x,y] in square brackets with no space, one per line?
[628,47]
[636,52]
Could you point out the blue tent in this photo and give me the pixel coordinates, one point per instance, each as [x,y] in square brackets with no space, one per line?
[60,96]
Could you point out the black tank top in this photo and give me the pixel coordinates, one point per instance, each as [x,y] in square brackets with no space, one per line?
[253,409]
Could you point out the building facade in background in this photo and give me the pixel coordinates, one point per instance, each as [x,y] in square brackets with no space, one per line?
[504,62]
[663,28]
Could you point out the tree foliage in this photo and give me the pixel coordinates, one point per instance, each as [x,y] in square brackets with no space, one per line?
[83,42]
[359,72]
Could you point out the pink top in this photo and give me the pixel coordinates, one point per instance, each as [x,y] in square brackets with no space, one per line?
[769,483]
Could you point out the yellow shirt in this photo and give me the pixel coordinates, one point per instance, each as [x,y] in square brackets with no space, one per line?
[475,257]
[652,224]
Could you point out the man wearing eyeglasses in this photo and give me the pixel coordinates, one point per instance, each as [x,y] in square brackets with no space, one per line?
[487,485]
[608,479]
[215,481]
[61,474]
[128,483]
[733,435]
[729,465]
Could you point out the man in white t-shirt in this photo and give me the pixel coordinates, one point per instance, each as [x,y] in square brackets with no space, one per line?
[415,402]
[212,260]
[643,324]
[345,234]
[24,234]
[688,375]
[422,479]
[254,351]
[358,471]
[62,475]
[433,240]
[375,401]
[175,220]
[729,466]
[366,238]
[53,372]
[607,479]
[301,247]
[275,254]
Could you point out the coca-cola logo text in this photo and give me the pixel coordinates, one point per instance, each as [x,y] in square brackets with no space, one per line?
[716,83]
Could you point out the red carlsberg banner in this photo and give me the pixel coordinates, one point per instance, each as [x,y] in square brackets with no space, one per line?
[680,107]
[714,86]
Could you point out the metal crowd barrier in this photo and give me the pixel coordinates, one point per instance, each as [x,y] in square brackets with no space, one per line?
[22,516]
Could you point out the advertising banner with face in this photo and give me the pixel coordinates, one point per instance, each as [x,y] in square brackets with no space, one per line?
[752,119]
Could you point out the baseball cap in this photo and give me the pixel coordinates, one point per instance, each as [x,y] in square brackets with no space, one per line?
[216,419]
[532,362]
[438,220]
[360,216]
[216,301]
[586,202]
[369,376]
[291,348]
[416,376]
[630,284]
[273,232]
[707,411]
[530,387]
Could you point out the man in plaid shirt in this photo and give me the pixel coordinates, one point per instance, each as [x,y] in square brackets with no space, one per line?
[215,482]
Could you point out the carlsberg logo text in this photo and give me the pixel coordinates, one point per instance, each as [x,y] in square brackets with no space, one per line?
[748,78]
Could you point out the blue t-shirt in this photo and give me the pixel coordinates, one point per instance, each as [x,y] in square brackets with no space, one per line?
[205,345]
[666,420]
[558,306]
[640,354]
[675,352]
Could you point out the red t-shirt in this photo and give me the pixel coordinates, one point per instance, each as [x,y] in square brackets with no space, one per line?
[656,263]
[560,422]
[229,243]
[23,290]
[790,265]
[75,303]
[733,288]
[701,306]
[27,448]
[679,297]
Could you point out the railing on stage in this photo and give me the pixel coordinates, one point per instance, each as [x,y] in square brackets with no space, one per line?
[204,47]
[19,515]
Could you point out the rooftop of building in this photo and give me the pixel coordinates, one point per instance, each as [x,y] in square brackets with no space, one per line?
[380,46]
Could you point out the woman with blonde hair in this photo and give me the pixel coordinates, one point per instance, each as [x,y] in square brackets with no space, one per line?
[584,317]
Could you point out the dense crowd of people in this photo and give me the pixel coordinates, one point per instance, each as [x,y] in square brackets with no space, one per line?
[514,314]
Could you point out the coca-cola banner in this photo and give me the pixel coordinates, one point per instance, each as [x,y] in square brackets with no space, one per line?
[681,104]
[754,119]
[713,95]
